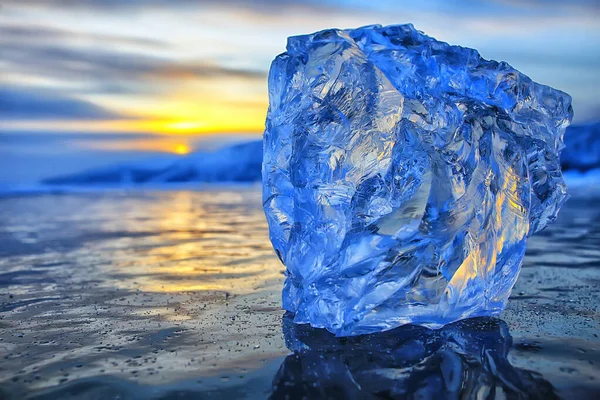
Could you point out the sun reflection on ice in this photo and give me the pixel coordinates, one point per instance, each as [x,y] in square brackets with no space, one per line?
[195,241]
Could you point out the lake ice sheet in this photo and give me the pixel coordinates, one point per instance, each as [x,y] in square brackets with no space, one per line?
[158,295]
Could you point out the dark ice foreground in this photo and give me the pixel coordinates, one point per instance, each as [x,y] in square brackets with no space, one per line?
[175,294]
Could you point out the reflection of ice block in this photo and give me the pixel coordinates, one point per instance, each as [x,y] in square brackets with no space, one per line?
[466,360]
[402,176]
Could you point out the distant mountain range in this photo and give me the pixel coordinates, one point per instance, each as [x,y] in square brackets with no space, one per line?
[582,150]
[237,163]
[242,163]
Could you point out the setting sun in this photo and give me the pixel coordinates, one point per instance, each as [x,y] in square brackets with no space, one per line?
[181,149]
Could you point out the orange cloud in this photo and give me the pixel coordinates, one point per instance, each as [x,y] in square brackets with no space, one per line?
[177,145]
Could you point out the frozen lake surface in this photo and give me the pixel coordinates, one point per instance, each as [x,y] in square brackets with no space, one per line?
[175,294]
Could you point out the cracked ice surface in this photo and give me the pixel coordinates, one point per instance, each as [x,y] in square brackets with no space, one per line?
[402,177]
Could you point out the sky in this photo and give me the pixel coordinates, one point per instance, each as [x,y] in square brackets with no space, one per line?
[91,82]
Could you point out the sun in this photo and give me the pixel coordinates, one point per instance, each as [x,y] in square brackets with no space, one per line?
[181,149]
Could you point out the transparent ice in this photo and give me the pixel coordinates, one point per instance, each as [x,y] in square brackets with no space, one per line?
[402,176]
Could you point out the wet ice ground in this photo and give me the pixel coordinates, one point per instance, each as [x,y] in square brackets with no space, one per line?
[175,294]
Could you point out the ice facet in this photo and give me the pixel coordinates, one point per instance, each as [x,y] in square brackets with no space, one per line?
[402,176]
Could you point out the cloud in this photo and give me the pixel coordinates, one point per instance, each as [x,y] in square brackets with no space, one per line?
[47,137]
[113,5]
[26,103]
[34,32]
[589,5]
[55,54]
[279,7]
[145,55]
[73,62]
[198,69]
